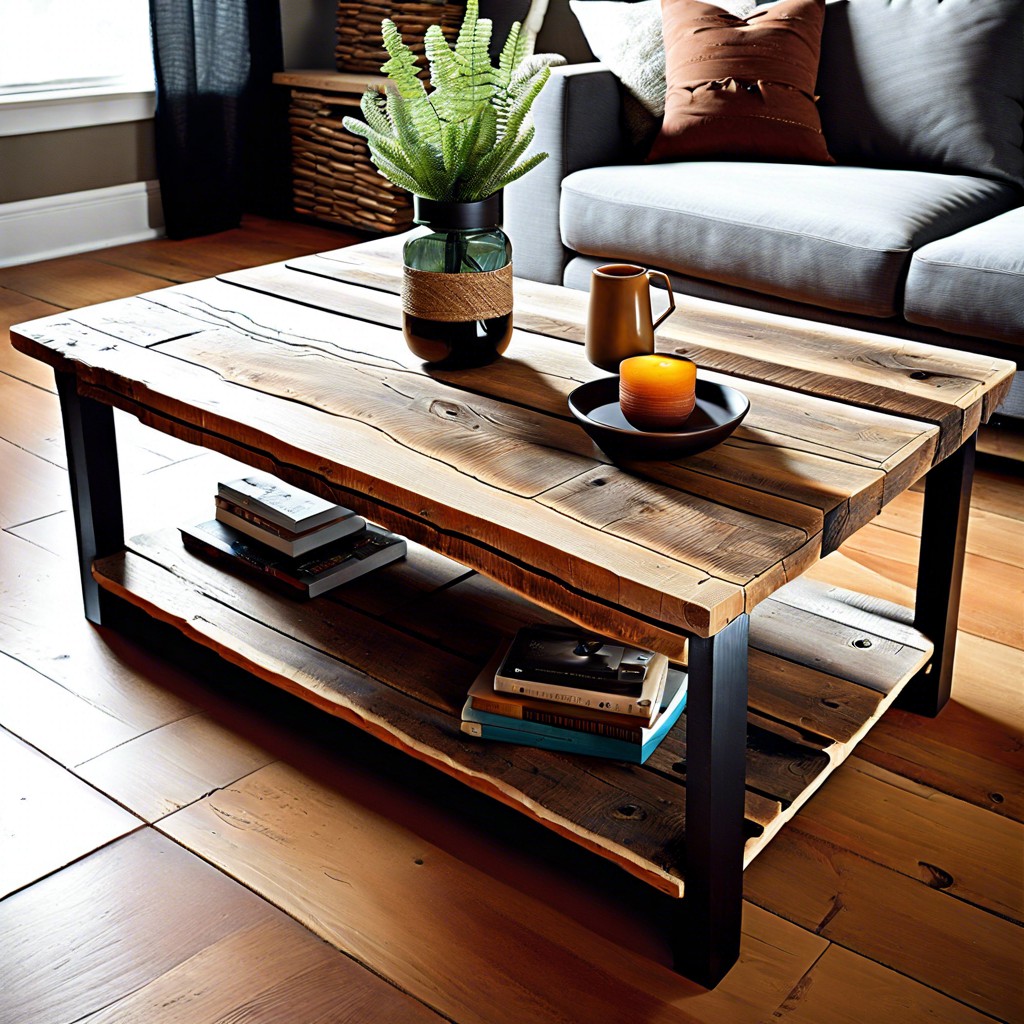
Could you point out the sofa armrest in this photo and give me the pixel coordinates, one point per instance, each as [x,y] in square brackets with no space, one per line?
[578,120]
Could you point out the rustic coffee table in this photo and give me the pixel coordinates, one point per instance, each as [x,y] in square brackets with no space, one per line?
[297,368]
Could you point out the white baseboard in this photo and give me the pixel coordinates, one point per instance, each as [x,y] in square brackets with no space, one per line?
[51,226]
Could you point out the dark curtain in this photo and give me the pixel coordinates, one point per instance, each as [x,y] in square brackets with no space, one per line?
[221,124]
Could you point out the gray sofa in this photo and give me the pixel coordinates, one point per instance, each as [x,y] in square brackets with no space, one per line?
[916,232]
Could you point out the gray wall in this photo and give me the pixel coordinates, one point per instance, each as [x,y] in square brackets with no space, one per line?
[52,163]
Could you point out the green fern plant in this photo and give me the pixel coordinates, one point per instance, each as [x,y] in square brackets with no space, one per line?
[467,136]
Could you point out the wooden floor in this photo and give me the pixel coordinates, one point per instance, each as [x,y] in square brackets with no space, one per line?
[181,844]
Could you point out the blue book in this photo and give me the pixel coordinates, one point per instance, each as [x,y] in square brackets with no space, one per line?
[574,741]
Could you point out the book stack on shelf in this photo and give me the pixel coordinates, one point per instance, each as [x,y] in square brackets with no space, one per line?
[564,689]
[292,538]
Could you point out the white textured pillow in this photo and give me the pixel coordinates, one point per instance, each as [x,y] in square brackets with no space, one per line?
[627,37]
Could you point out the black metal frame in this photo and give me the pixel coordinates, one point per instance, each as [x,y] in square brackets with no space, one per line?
[95,483]
[705,926]
[947,505]
[706,934]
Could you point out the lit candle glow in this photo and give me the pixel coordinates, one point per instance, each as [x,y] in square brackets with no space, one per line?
[657,392]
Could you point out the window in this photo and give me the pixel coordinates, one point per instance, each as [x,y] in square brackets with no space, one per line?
[74,47]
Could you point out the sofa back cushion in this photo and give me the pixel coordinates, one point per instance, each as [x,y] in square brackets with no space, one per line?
[928,84]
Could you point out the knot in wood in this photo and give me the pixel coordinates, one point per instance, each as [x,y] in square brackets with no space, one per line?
[445,409]
[630,812]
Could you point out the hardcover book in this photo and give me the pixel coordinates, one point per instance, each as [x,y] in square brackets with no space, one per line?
[574,667]
[574,741]
[484,697]
[280,503]
[286,541]
[308,575]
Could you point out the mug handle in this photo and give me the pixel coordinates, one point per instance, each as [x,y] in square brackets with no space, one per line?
[671,297]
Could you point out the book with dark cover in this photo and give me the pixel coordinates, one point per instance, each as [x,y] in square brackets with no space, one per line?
[574,741]
[308,575]
[288,542]
[571,666]
[280,503]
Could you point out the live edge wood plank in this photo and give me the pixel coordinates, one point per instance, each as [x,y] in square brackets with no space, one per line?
[843,461]
[359,669]
[955,390]
[378,385]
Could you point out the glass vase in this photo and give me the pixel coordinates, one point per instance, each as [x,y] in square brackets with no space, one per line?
[457,283]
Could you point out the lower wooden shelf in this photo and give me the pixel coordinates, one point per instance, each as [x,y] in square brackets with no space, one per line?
[824,666]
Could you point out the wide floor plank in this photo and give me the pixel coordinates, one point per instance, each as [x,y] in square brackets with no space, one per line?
[844,988]
[441,923]
[918,930]
[144,931]
[167,768]
[50,817]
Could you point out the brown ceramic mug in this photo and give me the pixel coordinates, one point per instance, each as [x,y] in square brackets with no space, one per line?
[620,323]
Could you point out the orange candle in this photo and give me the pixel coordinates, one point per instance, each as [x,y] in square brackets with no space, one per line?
[657,392]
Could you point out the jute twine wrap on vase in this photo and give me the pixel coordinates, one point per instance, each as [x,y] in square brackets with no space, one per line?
[456,297]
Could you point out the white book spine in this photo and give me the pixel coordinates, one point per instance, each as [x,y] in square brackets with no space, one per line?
[573,695]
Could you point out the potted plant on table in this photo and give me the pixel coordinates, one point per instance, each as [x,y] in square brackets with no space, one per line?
[455,147]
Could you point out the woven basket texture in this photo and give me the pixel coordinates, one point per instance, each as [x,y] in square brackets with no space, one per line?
[333,177]
[359,47]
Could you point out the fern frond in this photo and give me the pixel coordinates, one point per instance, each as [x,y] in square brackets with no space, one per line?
[424,155]
[382,142]
[458,92]
[401,65]
[493,166]
[402,70]
[522,81]
[464,139]
[516,49]
[397,175]
[519,170]
[374,107]
[488,122]
[516,114]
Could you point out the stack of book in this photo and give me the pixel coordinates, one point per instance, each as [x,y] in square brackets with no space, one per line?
[564,689]
[290,537]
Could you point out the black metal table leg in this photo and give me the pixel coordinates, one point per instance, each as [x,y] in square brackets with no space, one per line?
[947,501]
[95,483]
[706,939]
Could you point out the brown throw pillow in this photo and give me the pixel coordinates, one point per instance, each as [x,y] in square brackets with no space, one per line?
[741,88]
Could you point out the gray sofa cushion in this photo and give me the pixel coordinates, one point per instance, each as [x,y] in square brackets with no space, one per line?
[839,237]
[929,84]
[972,282]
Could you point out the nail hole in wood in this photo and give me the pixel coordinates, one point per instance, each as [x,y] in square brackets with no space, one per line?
[861,642]
[935,877]
[920,375]
[631,811]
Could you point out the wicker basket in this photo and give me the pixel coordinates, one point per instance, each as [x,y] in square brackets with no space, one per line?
[359,46]
[333,178]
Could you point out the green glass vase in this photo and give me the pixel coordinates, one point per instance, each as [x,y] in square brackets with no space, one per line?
[457,283]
